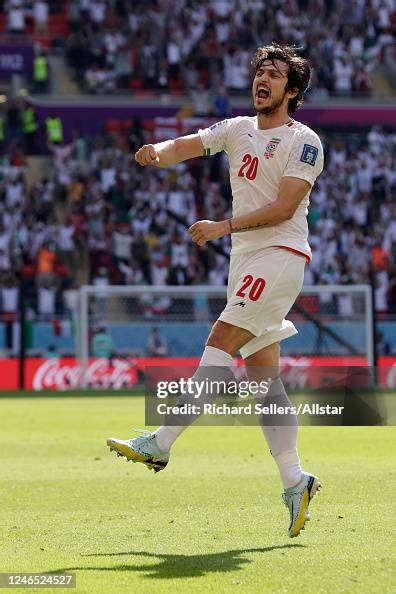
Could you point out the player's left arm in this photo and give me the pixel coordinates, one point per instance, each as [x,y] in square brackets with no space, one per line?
[291,192]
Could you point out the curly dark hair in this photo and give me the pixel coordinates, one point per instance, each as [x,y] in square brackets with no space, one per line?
[299,69]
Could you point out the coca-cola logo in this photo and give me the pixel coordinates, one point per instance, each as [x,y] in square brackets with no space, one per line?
[55,375]
[66,373]
[388,377]
[295,371]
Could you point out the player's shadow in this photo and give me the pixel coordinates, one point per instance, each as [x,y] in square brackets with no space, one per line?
[181,566]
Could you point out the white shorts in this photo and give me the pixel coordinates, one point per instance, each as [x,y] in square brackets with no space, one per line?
[262,287]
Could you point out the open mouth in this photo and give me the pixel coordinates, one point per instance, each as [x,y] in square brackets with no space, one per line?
[262,93]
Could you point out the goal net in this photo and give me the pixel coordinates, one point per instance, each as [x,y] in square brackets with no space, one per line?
[120,325]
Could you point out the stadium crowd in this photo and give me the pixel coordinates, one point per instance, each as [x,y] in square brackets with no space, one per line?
[133,221]
[19,12]
[188,45]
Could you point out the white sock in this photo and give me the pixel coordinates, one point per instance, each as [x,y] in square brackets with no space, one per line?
[166,435]
[289,468]
[216,357]
[282,439]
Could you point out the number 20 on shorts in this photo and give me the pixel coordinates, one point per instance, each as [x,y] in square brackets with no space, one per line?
[256,287]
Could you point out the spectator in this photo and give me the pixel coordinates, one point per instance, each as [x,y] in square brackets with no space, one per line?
[122,243]
[46,264]
[5,262]
[51,352]
[343,73]
[202,101]
[29,128]
[3,129]
[102,345]
[46,297]
[97,11]
[236,70]
[41,72]
[159,271]
[221,104]
[379,257]
[157,346]
[16,17]
[54,128]
[383,345]
[131,273]
[71,299]
[40,17]
[67,245]
[9,299]
[173,57]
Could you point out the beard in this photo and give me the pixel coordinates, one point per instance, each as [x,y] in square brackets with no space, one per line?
[272,107]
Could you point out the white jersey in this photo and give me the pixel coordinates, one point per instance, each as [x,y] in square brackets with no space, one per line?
[258,161]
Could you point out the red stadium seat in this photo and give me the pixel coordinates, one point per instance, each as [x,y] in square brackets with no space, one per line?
[113,126]
[176,87]
[203,77]
[126,125]
[58,25]
[135,84]
[143,93]
[310,303]
[44,42]
[29,25]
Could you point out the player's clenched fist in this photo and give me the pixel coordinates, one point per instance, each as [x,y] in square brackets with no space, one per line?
[203,231]
[147,155]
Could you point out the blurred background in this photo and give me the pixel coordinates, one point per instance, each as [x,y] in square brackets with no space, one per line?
[83,84]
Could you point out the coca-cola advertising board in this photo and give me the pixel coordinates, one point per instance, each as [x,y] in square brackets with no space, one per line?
[66,373]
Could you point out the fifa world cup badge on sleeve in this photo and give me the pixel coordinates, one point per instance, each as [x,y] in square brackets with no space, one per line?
[309,154]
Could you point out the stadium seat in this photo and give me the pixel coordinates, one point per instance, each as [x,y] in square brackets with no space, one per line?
[126,125]
[309,303]
[176,87]
[58,26]
[113,126]
[135,84]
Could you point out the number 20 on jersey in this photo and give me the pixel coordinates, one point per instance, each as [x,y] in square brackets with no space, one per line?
[249,167]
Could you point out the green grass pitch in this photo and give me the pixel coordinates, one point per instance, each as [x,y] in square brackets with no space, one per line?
[213,521]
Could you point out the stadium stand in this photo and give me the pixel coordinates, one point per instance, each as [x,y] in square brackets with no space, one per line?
[128,218]
[210,42]
[100,218]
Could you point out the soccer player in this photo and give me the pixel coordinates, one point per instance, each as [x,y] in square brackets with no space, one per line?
[274,161]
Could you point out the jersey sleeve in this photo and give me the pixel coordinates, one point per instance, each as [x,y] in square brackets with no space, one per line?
[215,138]
[306,158]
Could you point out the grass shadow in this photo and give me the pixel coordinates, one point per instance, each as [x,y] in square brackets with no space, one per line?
[170,566]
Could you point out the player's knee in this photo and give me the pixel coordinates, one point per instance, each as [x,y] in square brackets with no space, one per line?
[218,342]
[228,338]
[219,338]
[264,362]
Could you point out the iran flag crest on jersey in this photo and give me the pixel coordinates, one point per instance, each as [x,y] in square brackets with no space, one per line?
[271,147]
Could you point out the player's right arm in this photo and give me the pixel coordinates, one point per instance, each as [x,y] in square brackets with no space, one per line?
[170,152]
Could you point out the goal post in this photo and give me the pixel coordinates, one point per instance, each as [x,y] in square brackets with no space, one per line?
[332,320]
